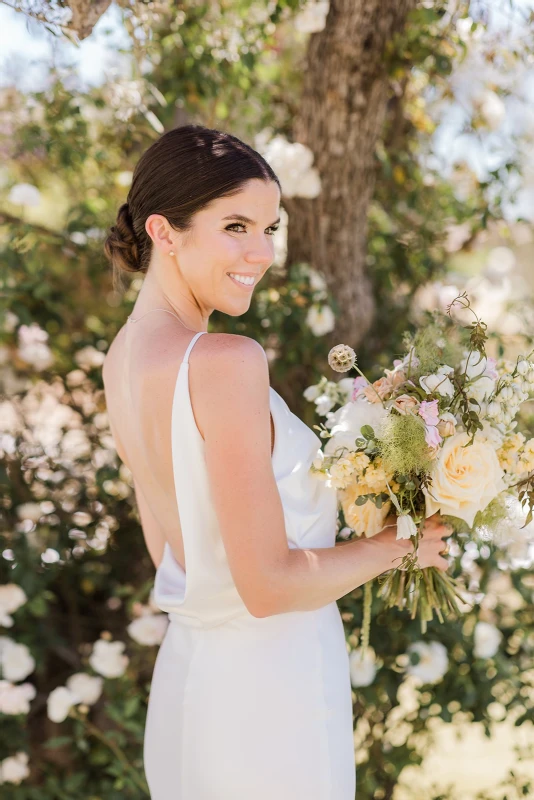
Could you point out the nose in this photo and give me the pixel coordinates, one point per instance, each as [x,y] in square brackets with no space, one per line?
[263,253]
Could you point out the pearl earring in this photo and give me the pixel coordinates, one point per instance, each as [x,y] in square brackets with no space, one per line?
[171,252]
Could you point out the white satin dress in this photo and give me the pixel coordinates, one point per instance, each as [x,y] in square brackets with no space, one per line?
[246,708]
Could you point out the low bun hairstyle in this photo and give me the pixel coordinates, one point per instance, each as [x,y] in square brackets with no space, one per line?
[179,174]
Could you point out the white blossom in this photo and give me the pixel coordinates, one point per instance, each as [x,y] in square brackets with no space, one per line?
[487,639]
[480,370]
[59,703]
[10,321]
[86,688]
[16,661]
[75,444]
[324,403]
[406,526]
[292,162]
[320,320]
[14,769]
[312,392]
[492,108]
[89,357]
[149,629]
[12,597]
[363,666]
[107,658]
[15,699]
[348,420]
[24,194]
[32,346]
[433,661]
[439,383]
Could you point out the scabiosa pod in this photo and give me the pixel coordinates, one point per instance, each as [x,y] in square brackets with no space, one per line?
[342,358]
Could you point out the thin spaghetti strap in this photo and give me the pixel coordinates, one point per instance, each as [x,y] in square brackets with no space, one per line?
[190,346]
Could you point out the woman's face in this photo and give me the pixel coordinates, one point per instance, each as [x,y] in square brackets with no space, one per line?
[231,239]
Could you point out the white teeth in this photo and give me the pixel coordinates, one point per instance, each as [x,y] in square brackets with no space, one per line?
[248,281]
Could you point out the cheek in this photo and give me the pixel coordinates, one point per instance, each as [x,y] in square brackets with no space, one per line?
[226,243]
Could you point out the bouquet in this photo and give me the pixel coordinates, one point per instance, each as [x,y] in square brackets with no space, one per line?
[434,434]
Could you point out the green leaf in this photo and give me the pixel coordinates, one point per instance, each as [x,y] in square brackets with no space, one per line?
[367,432]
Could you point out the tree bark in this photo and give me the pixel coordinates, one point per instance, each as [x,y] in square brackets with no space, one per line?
[85,15]
[344,98]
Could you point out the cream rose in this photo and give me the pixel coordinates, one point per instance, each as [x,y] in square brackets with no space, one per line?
[405,403]
[366,520]
[464,479]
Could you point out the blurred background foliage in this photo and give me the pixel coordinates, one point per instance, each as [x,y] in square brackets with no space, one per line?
[452,209]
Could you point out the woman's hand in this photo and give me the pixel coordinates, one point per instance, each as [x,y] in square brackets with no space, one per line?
[430,544]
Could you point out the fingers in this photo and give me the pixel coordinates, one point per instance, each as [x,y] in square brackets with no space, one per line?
[441,563]
[438,532]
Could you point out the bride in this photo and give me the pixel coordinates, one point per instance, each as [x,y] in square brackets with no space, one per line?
[250,697]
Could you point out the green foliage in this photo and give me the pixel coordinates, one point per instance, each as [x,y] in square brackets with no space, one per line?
[401,443]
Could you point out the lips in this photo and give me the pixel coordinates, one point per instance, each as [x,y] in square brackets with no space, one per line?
[247,287]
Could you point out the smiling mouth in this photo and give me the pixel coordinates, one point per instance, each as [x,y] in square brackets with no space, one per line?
[247,286]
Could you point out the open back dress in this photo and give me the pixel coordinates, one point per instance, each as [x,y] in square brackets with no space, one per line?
[240,707]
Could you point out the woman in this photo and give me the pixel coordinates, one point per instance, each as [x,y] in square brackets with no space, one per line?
[250,696]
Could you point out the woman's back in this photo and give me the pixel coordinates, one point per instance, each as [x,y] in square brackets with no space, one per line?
[140,374]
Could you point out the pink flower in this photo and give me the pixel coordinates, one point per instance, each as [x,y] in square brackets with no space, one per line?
[359,384]
[432,436]
[429,411]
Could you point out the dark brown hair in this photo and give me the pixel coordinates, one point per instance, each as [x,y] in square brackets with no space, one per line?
[181,173]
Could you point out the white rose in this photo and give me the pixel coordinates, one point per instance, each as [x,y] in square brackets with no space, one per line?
[348,420]
[107,658]
[433,661]
[487,640]
[16,661]
[14,769]
[439,383]
[16,699]
[86,688]
[149,629]
[464,479]
[363,667]
[59,703]
[406,526]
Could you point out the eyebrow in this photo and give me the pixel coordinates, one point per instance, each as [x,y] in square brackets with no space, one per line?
[248,221]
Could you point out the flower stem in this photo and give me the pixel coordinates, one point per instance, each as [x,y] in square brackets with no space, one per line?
[366,623]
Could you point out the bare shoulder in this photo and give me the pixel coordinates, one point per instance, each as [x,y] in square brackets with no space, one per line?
[229,380]
[228,355]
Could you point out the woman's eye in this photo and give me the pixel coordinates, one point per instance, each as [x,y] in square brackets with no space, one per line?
[274,228]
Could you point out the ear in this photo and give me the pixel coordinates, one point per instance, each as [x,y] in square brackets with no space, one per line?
[161,233]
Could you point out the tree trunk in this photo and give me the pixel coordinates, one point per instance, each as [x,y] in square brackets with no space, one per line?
[340,117]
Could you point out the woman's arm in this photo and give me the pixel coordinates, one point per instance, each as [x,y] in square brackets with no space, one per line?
[230,391]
